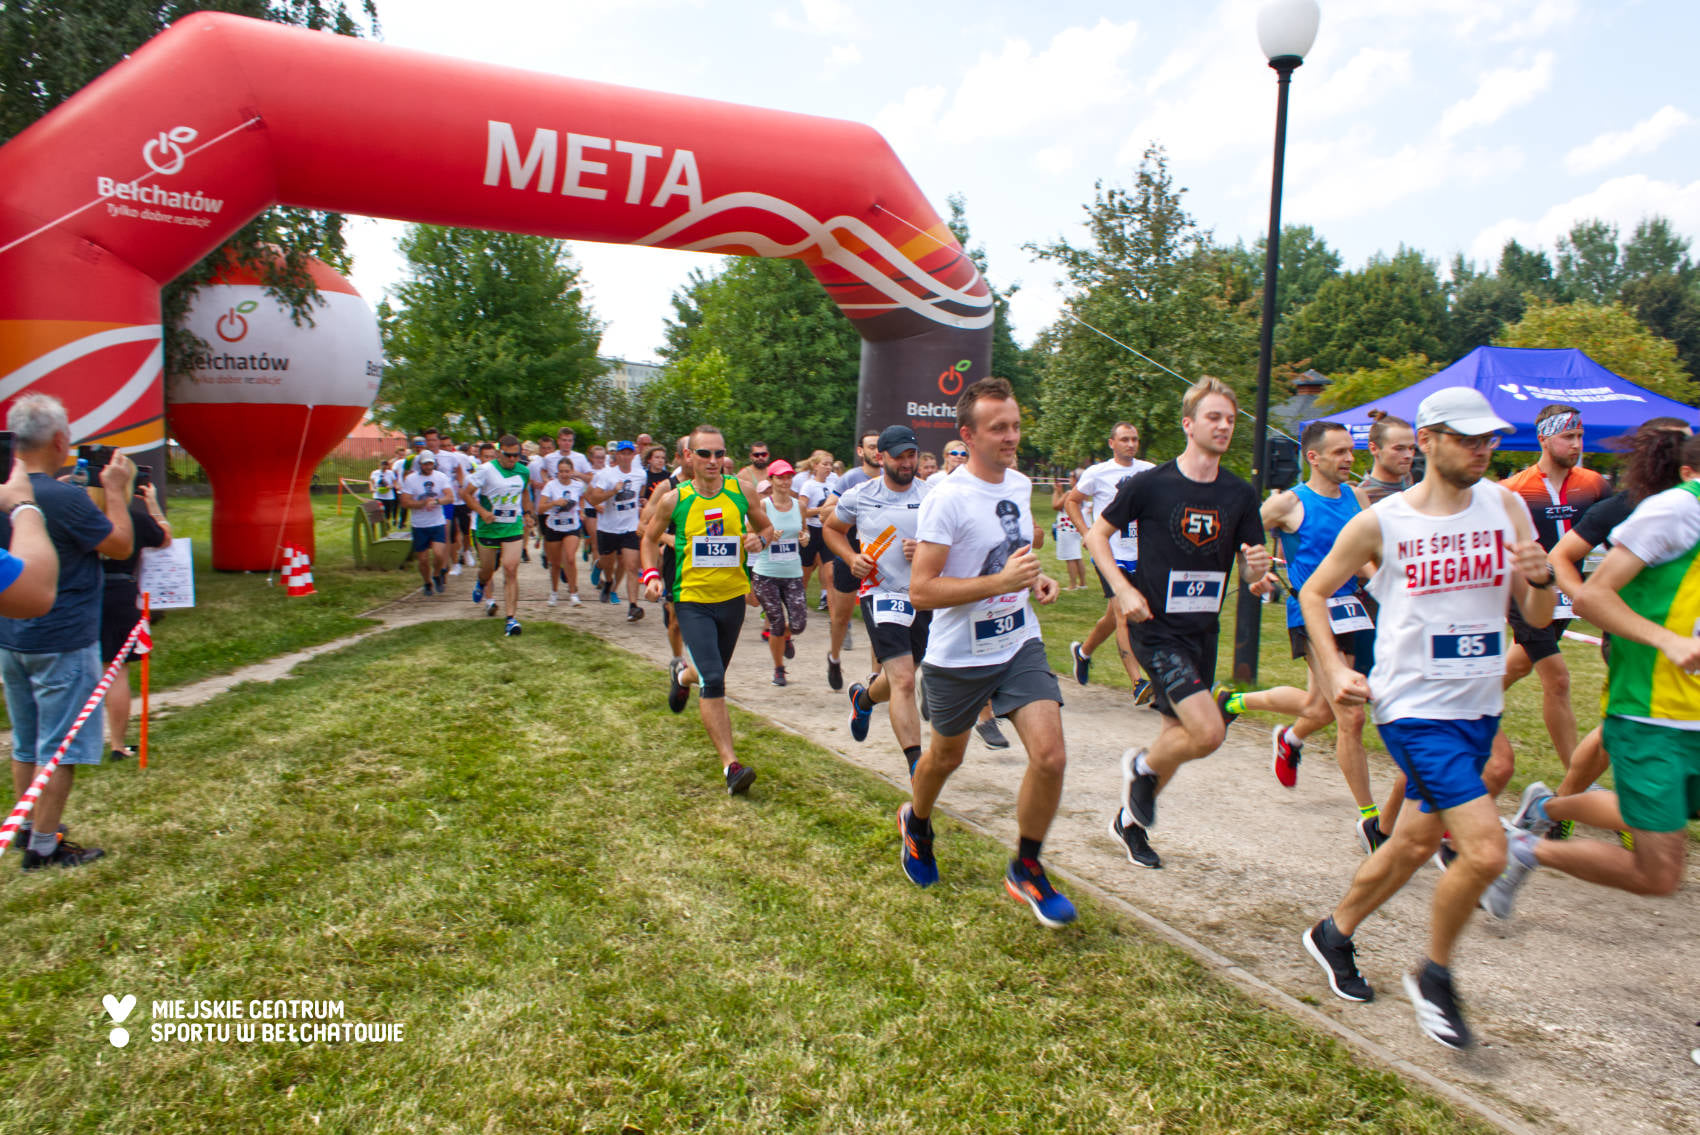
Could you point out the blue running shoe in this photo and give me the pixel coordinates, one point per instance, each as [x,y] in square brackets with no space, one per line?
[478,592]
[1026,882]
[917,857]
[859,717]
[596,575]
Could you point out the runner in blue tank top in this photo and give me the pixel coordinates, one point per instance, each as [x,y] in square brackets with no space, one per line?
[1306,520]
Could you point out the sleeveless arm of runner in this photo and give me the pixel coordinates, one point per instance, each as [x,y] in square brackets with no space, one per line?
[1278,512]
[1359,542]
[1600,603]
[649,547]
[1530,561]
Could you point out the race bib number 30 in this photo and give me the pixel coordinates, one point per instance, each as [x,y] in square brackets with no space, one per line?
[1464,650]
[995,630]
[1195,591]
[711,552]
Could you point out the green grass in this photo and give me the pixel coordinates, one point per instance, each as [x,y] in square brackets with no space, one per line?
[580,930]
[238,619]
[1072,616]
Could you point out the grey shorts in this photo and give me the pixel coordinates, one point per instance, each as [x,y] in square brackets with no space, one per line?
[955,694]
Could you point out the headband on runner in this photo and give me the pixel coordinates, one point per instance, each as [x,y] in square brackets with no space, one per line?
[1558,423]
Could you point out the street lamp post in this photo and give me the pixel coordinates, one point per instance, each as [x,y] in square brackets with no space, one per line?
[1285,29]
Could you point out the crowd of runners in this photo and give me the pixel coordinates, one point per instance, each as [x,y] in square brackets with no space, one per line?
[1414,602]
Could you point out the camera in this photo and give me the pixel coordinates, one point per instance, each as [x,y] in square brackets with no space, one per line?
[98,456]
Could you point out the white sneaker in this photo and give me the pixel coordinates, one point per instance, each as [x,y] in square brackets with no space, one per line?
[572,600]
[471,559]
[553,599]
[456,569]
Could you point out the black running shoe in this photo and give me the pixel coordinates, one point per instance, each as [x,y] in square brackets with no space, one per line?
[1340,963]
[1132,837]
[739,778]
[677,693]
[834,674]
[1370,835]
[1438,1013]
[991,734]
[1139,791]
[790,649]
[1443,858]
[779,675]
[1082,663]
[66,854]
[1223,694]
[634,613]
[21,838]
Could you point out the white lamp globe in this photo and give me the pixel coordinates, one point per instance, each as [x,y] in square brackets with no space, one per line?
[1287,28]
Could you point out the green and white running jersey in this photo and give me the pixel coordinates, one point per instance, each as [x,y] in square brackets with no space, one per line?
[502,491]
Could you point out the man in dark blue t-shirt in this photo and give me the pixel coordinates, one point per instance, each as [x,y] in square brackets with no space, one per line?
[51,664]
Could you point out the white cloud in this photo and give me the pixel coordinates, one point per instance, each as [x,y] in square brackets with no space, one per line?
[841,58]
[1055,159]
[820,17]
[1016,91]
[1175,65]
[1626,201]
[1546,16]
[1339,178]
[1499,92]
[1368,75]
[1642,138]
[908,123]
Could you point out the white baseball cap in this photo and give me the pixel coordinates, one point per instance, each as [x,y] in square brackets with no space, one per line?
[1463,409]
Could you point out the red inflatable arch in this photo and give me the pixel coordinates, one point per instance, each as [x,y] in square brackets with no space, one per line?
[158,161]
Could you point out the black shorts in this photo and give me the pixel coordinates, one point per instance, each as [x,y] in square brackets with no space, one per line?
[588,512]
[1109,592]
[463,518]
[1538,642]
[607,543]
[550,536]
[892,640]
[1178,667]
[816,549]
[669,569]
[497,541]
[843,579]
[1299,639]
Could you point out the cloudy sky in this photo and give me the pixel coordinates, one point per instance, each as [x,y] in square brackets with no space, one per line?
[1447,125]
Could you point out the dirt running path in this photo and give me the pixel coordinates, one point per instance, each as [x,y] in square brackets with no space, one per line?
[1586,1004]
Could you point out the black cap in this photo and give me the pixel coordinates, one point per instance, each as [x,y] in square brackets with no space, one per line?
[897,440]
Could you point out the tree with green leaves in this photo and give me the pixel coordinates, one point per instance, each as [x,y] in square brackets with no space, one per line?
[1152,279]
[1306,263]
[789,357]
[1528,271]
[1669,307]
[1395,306]
[1389,376]
[490,328]
[1611,336]
[54,48]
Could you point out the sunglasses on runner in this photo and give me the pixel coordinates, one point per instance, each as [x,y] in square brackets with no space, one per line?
[956,453]
[1471,441]
[711,453]
[510,454]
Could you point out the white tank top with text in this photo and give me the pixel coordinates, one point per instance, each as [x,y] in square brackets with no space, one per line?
[1443,584]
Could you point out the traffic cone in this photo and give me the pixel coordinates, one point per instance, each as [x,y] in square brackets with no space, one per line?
[285,565]
[299,581]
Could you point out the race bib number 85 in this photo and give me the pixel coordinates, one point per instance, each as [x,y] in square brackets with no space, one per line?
[1464,650]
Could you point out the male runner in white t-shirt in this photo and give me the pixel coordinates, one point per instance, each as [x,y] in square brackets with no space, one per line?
[974,568]
[1097,487]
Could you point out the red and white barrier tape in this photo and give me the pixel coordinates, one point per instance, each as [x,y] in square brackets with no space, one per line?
[13,822]
[1580,637]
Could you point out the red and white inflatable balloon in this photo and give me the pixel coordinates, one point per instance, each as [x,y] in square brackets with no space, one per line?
[263,403]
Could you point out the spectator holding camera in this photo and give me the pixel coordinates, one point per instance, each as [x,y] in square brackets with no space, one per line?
[51,663]
[121,606]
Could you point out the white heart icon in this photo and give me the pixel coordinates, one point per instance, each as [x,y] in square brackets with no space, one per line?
[119,1009]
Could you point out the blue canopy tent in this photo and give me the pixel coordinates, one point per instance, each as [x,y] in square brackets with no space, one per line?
[1518,381]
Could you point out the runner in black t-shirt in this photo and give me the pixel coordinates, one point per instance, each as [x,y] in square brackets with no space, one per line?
[1195,519]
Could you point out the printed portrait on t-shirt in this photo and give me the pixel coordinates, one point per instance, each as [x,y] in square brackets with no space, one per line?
[1014,539]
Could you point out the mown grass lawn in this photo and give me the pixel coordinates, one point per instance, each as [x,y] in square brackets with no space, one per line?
[510,847]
